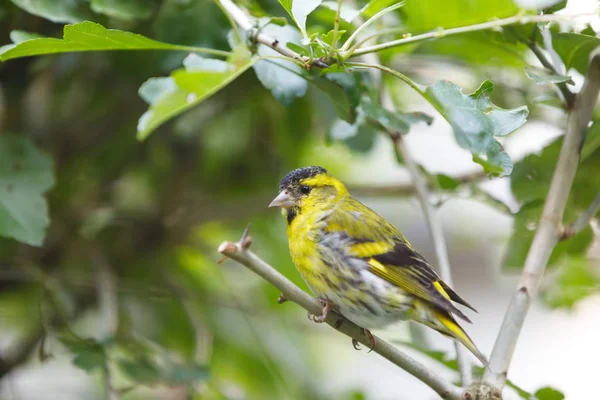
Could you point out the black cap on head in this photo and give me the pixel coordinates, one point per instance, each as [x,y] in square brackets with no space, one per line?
[301,173]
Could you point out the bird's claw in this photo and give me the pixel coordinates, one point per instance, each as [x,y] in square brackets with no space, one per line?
[327,306]
[370,338]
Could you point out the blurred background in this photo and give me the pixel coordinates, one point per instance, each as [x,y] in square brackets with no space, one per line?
[126,283]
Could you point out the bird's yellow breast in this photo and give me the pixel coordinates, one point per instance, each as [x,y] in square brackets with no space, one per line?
[303,236]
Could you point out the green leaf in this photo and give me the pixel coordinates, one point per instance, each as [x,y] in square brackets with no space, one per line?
[17,37]
[542,76]
[576,280]
[182,374]
[425,14]
[140,370]
[374,6]
[530,183]
[338,96]
[66,11]
[574,49]
[123,9]
[548,393]
[89,36]
[145,371]
[89,354]
[554,6]
[297,48]
[283,78]
[348,12]
[525,225]
[395,121]
[187,87]
[299,10]
[532,175]
[592,141]
[446,182]
[358,136]
[476,121]
[25,175]
[484,47]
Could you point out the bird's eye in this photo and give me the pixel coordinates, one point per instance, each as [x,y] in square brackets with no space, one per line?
[305,189]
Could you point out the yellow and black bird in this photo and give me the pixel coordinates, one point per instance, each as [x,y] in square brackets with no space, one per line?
[359,264]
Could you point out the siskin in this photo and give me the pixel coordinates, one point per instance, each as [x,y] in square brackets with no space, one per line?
[359,264]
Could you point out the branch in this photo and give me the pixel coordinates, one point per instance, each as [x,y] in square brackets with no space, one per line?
[517,19]
[583,220]
[408,188]
[240,253]
[549,228]
[245,23]
[109,315]
[568,96]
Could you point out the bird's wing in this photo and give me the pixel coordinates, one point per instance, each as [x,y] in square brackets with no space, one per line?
[390,256]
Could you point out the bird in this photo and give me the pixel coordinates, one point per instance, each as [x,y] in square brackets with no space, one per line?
[358,264]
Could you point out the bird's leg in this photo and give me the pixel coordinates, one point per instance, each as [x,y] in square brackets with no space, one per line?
[281,299]
[327,306]
[370,338]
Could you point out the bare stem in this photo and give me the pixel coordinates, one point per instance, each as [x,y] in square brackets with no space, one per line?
[583,220]
[407,189]
[418,88]
[567,95]
[336,28]
[517,19]
[240,253]
[109,314]
[363,26]
[549,228]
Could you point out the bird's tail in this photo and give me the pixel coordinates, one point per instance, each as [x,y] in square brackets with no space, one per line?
[447,325]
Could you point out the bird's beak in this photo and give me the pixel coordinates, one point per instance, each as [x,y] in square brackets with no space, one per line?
[283,200]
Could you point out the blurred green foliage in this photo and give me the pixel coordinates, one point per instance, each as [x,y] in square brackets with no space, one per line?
[130,227]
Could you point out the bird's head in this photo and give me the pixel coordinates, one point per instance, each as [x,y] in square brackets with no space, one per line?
[308,189]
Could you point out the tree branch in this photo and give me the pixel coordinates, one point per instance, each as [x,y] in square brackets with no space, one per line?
[245,23]
[549,228]
[240,253]
[437,34]
[567,95]
[109,314]
[408,188]
[583,220]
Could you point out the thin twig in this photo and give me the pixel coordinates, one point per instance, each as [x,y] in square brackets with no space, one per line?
[549,228]
[244,256]
[583,221]
[517,19]
[244,22]
[407,188]
[567,95]
[109,315]
[336,28]
[366,24]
